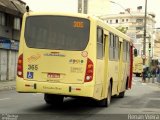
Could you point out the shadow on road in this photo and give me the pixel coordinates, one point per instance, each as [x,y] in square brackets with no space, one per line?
[72,106]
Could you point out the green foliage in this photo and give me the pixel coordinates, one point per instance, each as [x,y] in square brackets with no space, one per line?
[122,29]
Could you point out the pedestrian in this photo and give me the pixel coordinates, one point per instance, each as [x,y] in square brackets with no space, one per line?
[158,73]
[144,74]
[153,71]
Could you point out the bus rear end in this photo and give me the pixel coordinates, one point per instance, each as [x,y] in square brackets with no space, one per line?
[137,66]
[54,56]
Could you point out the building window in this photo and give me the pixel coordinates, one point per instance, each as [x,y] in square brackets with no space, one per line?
[2,18]
[126,20]
[122,20]
[139,20]
[17,23]
[110,21]
[116,20]
[139,36]
[139,28]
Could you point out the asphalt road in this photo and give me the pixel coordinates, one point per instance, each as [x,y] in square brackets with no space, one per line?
[143,99]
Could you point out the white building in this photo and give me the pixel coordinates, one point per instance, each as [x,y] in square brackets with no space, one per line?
[133,21]
[11,12]
[157,45]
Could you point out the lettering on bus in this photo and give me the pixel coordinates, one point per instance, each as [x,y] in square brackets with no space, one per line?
[53,88]
[33,67]
[55,80]
[76,61]
[78,24]
[76,70]
[54,54]
[84,54]
[34,58]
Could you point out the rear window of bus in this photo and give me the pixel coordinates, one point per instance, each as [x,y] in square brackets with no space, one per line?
[57,32]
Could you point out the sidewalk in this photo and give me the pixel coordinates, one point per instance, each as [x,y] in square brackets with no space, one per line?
[155,83]
[7,85]
[149,81]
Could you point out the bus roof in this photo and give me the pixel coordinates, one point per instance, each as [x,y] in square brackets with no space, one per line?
[58,13]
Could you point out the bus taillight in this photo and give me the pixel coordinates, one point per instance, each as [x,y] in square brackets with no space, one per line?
[20,66]
[89,71]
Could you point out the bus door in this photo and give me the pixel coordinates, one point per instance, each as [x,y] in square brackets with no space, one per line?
[106,58]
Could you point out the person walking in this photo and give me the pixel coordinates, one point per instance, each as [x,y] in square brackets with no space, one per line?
[153,71]
[158,73]
[144,74]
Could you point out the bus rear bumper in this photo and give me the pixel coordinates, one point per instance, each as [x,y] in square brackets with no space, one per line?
[26,86]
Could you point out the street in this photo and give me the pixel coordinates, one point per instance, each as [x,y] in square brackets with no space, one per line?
[143,98]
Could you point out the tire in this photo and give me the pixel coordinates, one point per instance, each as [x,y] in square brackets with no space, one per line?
[106,102]
[53,99]
[121,94]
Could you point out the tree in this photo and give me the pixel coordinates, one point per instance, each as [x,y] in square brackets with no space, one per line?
[122,29]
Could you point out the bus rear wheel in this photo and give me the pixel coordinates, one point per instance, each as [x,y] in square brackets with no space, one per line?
[106,102]
[53,99]
[121,94]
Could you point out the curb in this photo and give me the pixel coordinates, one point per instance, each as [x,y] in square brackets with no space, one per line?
[155,84]
[7,88]
[7,85]
[150,83]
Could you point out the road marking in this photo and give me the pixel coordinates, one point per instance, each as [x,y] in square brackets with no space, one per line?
[5,98]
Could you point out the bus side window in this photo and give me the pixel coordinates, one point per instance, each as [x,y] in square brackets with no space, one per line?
[116,48]
[124,50]
[119,50]
[99,43]
[111,46]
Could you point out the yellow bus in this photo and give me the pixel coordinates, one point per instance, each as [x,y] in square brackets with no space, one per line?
[137,66]
[72,55]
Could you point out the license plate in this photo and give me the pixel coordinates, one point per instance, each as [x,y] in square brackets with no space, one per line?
[53,75]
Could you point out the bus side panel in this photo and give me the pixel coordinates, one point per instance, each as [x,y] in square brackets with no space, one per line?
[120,82]
[131,67]
[99,72]
[106,70]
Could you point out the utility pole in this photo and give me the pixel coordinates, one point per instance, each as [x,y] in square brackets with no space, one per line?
[144,41]
[83,6]
[149,60]
[80,6]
